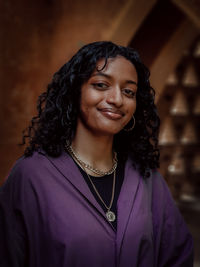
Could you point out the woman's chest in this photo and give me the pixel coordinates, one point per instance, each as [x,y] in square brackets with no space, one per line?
[78,226]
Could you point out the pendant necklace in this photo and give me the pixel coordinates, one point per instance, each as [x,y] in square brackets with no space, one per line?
[110,215]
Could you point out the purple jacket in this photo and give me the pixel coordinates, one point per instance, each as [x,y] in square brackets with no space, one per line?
[48,212]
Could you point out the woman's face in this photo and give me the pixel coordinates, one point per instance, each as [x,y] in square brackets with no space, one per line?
[108,98]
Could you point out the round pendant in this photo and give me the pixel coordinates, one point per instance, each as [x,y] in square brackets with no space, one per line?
[110,216]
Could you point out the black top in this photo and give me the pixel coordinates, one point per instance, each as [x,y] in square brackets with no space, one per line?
[104,186]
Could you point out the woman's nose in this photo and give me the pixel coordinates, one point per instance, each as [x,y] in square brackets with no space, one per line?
[114,96]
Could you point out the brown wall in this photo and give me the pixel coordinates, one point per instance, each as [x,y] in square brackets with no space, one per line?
[37,37]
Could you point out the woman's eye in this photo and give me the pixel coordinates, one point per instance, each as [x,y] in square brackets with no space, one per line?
[129,93]
[100,85]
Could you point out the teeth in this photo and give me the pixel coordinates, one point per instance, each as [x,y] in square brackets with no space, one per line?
[112,111]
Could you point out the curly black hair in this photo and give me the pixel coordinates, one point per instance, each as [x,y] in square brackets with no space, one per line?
[58,108]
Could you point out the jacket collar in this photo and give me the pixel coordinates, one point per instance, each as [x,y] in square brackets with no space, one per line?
[66,166]
[126,200]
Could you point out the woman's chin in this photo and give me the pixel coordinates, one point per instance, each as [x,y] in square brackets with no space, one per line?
[107,131]
[104,128]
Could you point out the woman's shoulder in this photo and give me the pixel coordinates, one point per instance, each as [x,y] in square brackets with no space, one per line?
[158,181]
[163,202]
[30,163]
[161,194]
[25,168]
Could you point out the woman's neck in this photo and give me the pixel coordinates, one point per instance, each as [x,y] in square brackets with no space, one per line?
[94,150]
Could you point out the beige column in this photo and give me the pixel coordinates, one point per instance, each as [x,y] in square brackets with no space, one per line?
[127,21]
[171,54]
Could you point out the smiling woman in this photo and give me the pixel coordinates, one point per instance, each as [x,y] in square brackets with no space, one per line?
[108,98]
[87,191]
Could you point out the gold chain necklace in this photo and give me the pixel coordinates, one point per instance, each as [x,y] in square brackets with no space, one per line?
[110,215]
[89,167]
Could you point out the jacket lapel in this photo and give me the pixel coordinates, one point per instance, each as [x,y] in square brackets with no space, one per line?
[126,201]
[66,166]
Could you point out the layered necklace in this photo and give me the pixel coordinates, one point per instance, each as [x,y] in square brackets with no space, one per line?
[110,215]
[89,167]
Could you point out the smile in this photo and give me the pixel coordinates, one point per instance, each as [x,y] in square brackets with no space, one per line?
[112,114]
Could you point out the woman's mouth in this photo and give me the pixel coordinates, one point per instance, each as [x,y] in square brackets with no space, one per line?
[112,114]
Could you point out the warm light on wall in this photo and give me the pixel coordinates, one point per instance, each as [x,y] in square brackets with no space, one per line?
[177,164]
[179,105]
[167,133]
[190,77]
[189,134]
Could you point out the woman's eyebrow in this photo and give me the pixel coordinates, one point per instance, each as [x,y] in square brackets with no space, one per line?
[102,74]
[132,82]
[109,77]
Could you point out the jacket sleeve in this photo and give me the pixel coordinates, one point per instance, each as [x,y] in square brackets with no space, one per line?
[12,231]
[173,242]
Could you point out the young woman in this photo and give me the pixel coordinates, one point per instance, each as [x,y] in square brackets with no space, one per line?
[87,191]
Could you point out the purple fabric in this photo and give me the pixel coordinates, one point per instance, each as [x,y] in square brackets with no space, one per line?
[62,224]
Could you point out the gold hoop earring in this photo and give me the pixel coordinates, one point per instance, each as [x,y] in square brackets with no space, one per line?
[131,128]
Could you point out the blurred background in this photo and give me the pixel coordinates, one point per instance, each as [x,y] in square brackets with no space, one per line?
[38,36]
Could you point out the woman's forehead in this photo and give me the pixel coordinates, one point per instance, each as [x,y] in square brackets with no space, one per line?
[112,65]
